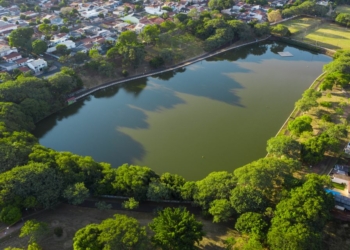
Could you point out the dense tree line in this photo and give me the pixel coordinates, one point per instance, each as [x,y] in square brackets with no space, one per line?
[304,8]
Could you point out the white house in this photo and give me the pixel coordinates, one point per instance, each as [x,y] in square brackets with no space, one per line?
[37,65]
[59,38]
[139,27]
[6,50]
[8,66]
[5,26]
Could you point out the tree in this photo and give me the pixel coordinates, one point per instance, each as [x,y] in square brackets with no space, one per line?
[21,38]
[47,21]
[62,49]
[274,16]
[300,124]
[133,181]
[174,183]
[343,19]
[122,232]
[10,214]
[299,219]
[100,15]
[37,8]
[220,4]
[248,199]
[88,238]
[283,146]
[76,194]
[150,33]
[64,29]
[251,223]
[217,185]
[34,230]
[221,210]
[45,28]
[131,203]
[39,46]
[177,229]
[280,30]
[158,191]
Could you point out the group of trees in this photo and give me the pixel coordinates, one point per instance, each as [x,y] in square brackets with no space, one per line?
[338,71]
[305,8]
[173,229]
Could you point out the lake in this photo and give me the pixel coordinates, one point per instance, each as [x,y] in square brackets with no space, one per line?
[214,115]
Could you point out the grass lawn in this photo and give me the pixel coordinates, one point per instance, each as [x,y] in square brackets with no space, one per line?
[343,9]
[328,35]
[301,24]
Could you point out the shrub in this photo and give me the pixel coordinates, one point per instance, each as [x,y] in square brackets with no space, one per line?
[326,104]
[125,73]
[326,118]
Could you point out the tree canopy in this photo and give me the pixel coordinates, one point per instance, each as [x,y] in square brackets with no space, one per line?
[177,229]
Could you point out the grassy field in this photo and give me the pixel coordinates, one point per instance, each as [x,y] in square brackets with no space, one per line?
[301,24]
[343,9]
[328,35]
[72,218]
[325,34]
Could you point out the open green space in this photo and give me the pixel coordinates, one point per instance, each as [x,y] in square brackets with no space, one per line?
[343,9]
[301,24]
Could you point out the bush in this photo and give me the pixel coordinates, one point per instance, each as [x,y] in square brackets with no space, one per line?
[101,205]
[125,73]
[58,231]
[156,62]
[130,204]
[326,104]
[10,214]
[326,118]
[339,111]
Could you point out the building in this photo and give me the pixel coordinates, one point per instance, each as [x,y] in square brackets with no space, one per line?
[6,50]
[37,65]
[12,57]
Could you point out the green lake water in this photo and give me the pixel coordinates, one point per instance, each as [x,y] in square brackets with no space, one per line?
[214,115]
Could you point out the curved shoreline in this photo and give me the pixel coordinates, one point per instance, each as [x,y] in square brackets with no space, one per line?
[174,67]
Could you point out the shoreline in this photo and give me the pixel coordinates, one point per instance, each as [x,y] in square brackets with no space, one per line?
[171,68]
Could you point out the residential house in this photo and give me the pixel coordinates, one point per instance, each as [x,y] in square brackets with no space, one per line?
[8,66]
[6,50]
[69,43]
[37,65]
[139,28]
[30,14]
[12,57]
[24,69]
[58,38]
[21,62]
[5,26]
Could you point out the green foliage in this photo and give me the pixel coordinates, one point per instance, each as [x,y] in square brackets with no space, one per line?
[122,232]
[156,62]
[300,124]
[220,4]
[76,194]
[174,184]
[188,190]
[217,185]
[131,204]
[326,104]
[34,230]
[10,214]
[158,191]
[133,181]
[21,38]
[343,19]
[64,29]
[125,73]
[306,8]
[177,229]
[248,199]
[35,179]
[280,30]
[221,210]
[283,146]
[269,175]
[300,218]
[101,205]
[251,223]
[39,46]
[150,33]
[326,118]
[61,49]
[34,246]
